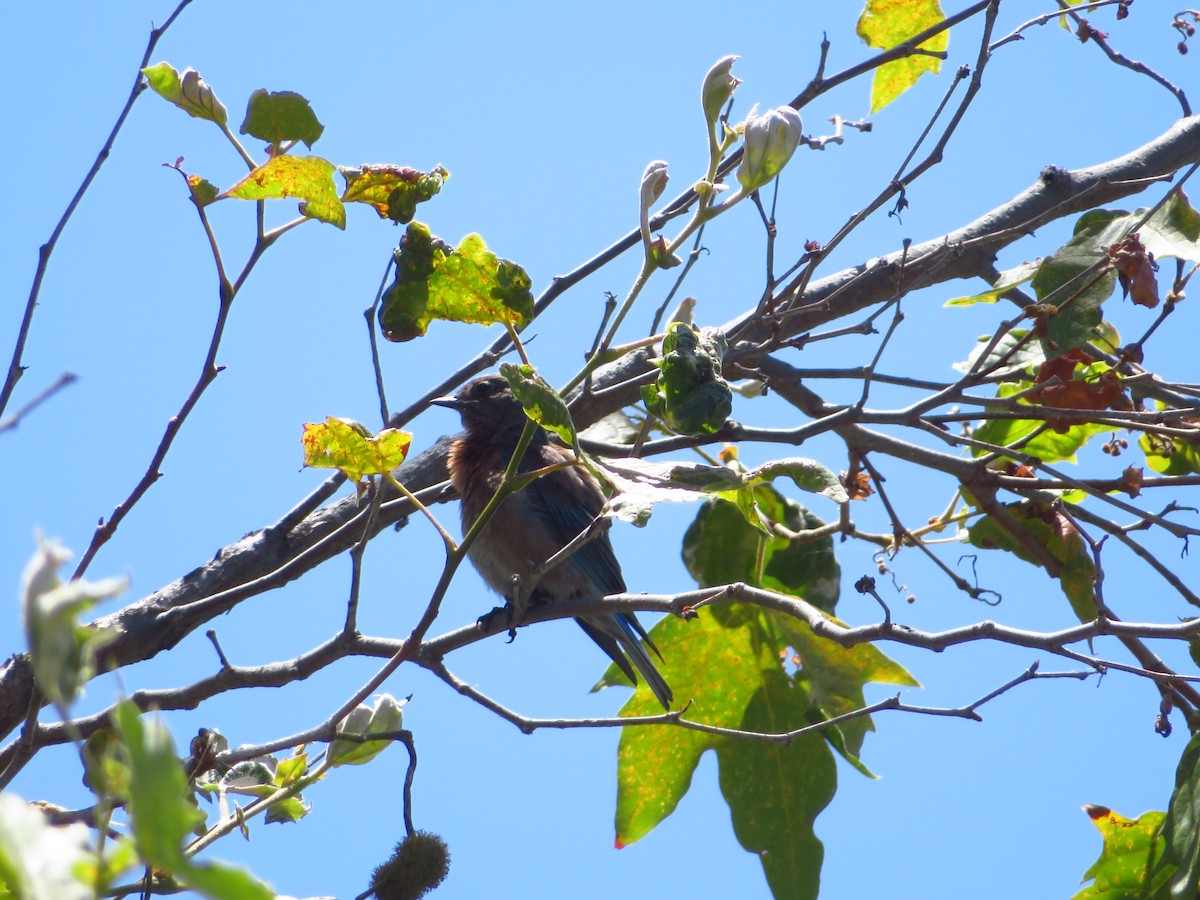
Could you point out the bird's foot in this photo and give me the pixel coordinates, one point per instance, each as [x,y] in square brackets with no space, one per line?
[488,618]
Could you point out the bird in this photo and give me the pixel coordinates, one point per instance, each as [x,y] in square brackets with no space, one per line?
[533,524]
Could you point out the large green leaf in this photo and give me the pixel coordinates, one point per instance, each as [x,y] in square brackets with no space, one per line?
[775,792]
[1042,525]
[720,547]
[1061,282]
[1181,828]
[744,667]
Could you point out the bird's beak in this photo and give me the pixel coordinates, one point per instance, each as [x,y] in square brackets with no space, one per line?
[448,402]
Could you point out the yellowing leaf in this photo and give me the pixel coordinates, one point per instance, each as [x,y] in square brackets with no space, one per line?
[886,23]
[464,284]
[1131,850]
[348,446]
[309,178]
[393,191]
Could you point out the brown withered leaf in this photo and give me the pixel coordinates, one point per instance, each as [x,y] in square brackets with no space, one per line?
[858,486]
[1064,392]
[1135,270]
[1131,480]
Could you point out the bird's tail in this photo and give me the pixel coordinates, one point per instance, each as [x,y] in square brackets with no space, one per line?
[619,636]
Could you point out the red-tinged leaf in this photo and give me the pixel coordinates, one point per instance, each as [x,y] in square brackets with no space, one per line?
[308,178]
[886,23]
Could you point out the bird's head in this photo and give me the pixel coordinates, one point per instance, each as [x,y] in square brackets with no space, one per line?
[487,406]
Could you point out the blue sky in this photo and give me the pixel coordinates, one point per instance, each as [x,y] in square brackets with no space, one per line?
[546,115]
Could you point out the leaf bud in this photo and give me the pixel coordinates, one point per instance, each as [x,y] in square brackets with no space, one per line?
[719,86]
[769,141]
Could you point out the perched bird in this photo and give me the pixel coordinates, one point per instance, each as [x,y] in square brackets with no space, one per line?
[539,520]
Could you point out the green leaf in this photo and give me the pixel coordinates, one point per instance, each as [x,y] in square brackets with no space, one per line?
[640,484]
[1181,828]
[775,792]
[289,809]
[1060,281]
[886,23]
[729,662]
[393,191]
[158,790]
[1170,455]
[539,400]
[1045,527]
[721,547]
[189,92]
[62,651]
[1131,849]
[162,816]
[690,396]
[1029,355]
[203,192]
[346,445]
[37,859]
[1008,280]
[290,770]
[106,765]
[308,177]
[467,284]
[1173,231]
[835,676]
[806,474]
[281,117]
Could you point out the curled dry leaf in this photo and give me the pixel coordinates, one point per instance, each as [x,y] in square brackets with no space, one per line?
[1135,269]
[1057,388]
